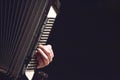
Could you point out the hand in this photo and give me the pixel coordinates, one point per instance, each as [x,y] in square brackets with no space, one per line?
[44,55]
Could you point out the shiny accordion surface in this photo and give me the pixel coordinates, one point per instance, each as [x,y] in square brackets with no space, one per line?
[21,29]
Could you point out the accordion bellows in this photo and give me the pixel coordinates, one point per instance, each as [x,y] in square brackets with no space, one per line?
[20,26]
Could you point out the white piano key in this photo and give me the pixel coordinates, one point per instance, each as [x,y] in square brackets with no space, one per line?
[29,74]
[49,25]
[52,13]
[46,33]
[33,62]
[44,38]
[30,67]
[47,29]
[50,20]
[43,43]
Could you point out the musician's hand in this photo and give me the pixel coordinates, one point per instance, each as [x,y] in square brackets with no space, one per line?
[44,55]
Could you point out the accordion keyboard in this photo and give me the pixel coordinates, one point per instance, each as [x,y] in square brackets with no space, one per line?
[45,31]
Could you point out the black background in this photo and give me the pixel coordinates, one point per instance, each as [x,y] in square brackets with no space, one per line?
[85,40]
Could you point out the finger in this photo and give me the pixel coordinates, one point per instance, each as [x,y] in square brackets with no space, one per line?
[41,53]
[50,50]
[41,63]
[47,49]
[42,57]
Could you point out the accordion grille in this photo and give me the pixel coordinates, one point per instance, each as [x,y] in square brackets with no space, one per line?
[20,23]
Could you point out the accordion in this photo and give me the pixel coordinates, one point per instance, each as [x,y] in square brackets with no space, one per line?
[23,25]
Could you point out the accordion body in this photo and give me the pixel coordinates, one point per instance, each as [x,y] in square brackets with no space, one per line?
[23,25]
